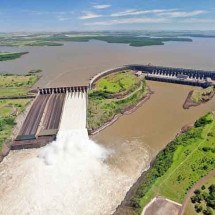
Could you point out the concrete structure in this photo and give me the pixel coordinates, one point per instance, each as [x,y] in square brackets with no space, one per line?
[176,75]
[42,122]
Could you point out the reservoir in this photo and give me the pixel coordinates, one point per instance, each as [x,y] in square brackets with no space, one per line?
[129,144]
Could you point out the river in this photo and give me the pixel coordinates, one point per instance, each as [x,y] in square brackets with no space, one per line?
[131,141]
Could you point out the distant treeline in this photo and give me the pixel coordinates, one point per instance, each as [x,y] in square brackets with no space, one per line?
[131,40]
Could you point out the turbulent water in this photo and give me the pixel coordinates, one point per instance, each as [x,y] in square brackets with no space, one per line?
[71,175]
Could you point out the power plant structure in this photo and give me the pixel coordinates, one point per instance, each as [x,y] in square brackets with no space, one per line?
[191,77]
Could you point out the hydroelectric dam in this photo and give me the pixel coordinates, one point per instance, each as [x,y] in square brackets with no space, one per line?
[45,116]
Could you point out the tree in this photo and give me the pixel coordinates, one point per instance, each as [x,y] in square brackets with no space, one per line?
[208,211]
[203,187]
[197,191]
[198,208]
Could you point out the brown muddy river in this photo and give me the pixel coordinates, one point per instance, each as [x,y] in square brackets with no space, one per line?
[131,141]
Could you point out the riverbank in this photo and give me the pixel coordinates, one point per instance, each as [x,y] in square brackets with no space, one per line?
[162,178]
[198,97]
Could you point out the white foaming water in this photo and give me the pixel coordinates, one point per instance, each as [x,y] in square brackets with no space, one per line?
[74,112]
[79,180]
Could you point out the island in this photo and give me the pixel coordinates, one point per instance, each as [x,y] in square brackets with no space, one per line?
[199,96]
[4,56]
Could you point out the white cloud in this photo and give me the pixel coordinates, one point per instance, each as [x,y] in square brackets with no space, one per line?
[89,15]
[129,21]
[132,12]
[197,21]
[101,6]
[179,14]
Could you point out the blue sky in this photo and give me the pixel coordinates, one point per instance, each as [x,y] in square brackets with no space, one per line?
[92,15]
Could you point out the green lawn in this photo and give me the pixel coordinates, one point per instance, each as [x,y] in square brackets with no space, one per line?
[118,82]
[180,165]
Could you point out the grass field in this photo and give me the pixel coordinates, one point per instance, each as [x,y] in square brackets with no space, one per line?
[9,109]
[13,85]
[103,106]
[199,95]
[118,82]
[16,85]
[4,56]
[180,165]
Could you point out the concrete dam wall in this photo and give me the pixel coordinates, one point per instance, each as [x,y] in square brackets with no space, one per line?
[177,75]
[45,115]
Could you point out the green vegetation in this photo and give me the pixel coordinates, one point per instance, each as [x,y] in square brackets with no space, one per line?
[9,109]
[4,56]
[133,39]
[112,95]
[27,42]
[16,85]
[201,95]
[204,200]
[118,82]
[180,165]
[13,85]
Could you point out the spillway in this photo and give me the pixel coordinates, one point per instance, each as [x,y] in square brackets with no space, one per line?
[74,111]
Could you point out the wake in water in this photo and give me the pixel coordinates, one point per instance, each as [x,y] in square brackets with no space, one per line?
[77,180]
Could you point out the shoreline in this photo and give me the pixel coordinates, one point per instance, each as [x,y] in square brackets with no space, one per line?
[190,103]
[125,207]
[127,111]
